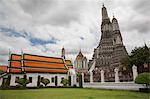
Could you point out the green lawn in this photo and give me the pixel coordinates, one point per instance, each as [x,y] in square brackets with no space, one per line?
[70,93]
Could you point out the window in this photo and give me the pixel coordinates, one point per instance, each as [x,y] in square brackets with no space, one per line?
[52,79]
[30,79]
[17,78]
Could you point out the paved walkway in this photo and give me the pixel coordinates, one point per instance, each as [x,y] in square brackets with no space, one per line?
[113,85]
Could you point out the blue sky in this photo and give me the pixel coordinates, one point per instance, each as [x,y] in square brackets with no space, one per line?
[43,27]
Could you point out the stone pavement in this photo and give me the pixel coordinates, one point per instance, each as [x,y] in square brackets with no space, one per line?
[113,85]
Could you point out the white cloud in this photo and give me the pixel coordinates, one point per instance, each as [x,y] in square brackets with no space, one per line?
[73,24]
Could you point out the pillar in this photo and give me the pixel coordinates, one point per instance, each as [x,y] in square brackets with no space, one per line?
[91,77]
[82,78]
[135,73]
[116,75]
[73,80]
[102,76]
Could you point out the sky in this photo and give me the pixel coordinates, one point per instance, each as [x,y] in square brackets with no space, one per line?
[43,27]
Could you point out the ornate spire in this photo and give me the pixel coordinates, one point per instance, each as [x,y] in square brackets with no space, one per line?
[115,24]
[63,53]
[80,55]
[104,13]
[113,15]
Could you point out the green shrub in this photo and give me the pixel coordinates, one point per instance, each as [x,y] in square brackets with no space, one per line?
[45,81]
[143,78]
[23,82]
[65,82]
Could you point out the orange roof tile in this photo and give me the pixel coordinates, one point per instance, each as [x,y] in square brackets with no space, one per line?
[44,70]
[35,63]
[14,70]
[15,57]
[43,64]
[42,58]
[3,68]
[16,64]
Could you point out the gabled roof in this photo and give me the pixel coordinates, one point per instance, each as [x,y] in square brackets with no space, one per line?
[42,58]
[36,63]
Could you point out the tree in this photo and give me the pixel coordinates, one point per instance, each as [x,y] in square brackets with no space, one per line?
[1,72]
[143,78]
[138,57]
[23,81]
[65,82]
[45,81]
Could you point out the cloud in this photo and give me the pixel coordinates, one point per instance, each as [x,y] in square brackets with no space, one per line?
[43,27]
[142,6]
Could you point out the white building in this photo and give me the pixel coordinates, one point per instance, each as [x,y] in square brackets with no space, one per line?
[35,68]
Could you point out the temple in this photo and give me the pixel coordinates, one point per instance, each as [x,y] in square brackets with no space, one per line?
[35,67]
[109,52]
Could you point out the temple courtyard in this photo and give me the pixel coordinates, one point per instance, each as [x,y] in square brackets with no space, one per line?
[71,93]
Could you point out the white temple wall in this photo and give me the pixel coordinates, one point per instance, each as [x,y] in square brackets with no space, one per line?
[13,79]
[35,79]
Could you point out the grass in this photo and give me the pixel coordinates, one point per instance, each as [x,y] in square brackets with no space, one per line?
[71,93]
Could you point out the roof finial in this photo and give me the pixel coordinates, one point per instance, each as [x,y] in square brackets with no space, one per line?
[103,5]
[113,15]
[80,50]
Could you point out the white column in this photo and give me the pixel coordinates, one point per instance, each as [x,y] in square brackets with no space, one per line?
[91,77]
[1,80]
[72,80]
[102,76]
[116,75]
[135,73]
[75,79]
[82,78]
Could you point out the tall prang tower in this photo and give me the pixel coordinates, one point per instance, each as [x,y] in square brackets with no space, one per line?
[110,50]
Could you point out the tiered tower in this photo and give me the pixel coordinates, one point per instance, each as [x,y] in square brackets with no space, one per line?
[109,52]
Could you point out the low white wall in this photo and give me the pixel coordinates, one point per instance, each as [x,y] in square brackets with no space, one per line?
[50,76]
[35,78]
[13,78]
